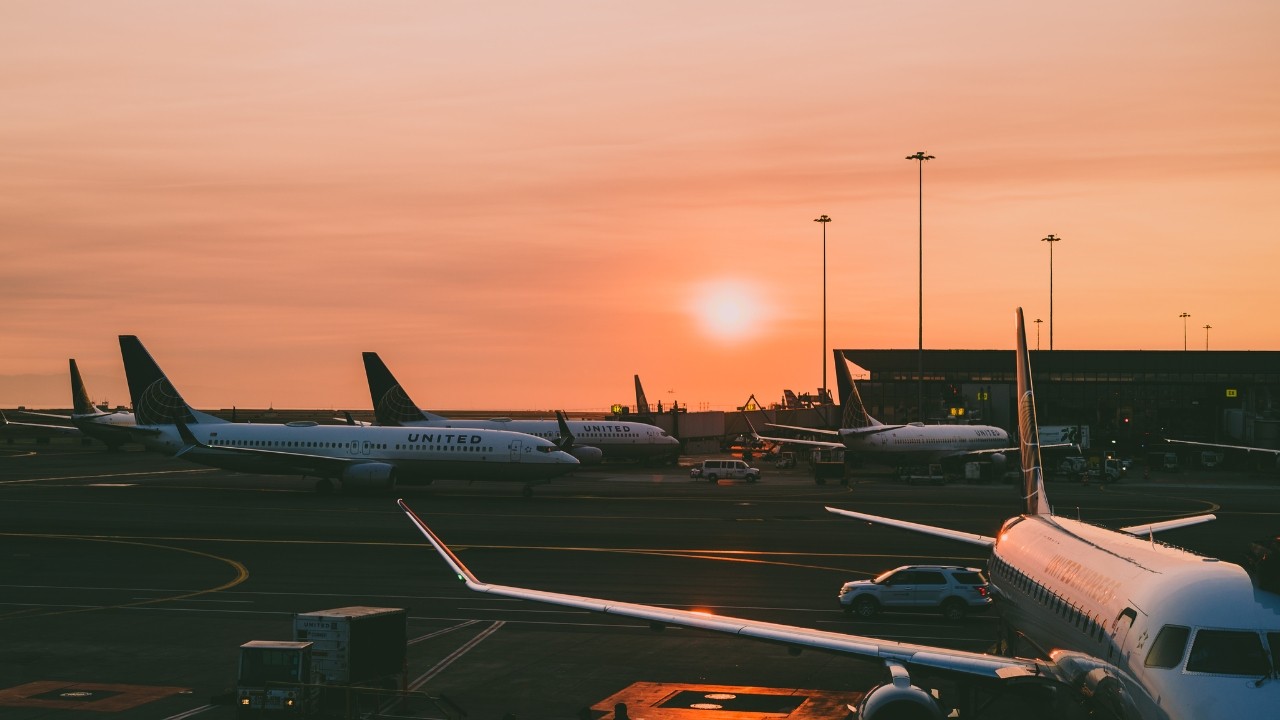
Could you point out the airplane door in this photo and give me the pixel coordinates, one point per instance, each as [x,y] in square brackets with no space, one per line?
[515,450]
[365,447]
[1120,633]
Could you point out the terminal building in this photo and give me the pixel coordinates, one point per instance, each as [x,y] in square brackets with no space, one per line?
[1129,399]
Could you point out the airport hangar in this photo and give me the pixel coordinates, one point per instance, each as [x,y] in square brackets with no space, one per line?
[1135,398]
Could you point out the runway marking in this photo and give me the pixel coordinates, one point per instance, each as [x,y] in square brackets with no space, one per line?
[440,666]
[107,475]
[242,574]
[438,633]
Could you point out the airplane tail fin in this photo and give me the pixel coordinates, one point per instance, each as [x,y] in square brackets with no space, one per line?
[80,402]
[155,400]
[642,403]
[391,404]
[855,413]
[1035,501]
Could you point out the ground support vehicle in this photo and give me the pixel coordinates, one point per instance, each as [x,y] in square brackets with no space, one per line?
[342,663]
[715,470]
[829,464]
[952,590]
[932,474]
[276,678]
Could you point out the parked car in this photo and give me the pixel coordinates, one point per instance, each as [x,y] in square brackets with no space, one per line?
[713,470]
[951,590]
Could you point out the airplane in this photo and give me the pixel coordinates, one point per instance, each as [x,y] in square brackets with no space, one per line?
[108,427]
[594,440]
[900,445]
[1128,627]
[360,457]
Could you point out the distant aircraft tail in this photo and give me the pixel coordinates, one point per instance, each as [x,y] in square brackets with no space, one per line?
[855,413]
[642,403]
[1035,502]
[391,404]
[155,400]
[80,402]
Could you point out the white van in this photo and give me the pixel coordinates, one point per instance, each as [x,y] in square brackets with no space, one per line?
[713,470]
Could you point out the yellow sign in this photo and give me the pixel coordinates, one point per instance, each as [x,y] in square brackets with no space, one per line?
[616,409]
[1232,392]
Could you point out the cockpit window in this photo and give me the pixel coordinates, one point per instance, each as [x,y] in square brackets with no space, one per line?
[545,448]
[1228,652]
[1170,644]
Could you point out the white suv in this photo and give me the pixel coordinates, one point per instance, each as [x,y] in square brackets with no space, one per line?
[713,470]
[950,589]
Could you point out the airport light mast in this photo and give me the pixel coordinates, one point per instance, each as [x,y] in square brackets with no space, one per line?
[1051,240]
[1184,317]
[1206,335]
[824,220]
[1038,321]
[920,157]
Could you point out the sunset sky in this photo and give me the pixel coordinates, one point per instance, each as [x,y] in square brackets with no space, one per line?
[521,205]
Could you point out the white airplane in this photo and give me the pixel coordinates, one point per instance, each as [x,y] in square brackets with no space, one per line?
[592,440]
[363,457]
[108,427]
[1134,628]
[901,445]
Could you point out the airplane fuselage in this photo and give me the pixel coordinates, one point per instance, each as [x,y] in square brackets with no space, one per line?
[922,444]
[1190,634]
[416,454]
[615,439]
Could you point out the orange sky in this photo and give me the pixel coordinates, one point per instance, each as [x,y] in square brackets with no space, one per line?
[522,208]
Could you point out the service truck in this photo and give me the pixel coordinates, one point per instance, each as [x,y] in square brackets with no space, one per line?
[275,678]
[338,660]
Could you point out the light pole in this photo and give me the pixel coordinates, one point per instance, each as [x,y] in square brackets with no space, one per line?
[920,157]
[1184,317]
[1206,335]
[1038,321]
[824,220]
[1051,240]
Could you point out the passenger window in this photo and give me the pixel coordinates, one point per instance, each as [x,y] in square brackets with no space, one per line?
[1228,652]
[1166,651]
[969,578]
[929,578]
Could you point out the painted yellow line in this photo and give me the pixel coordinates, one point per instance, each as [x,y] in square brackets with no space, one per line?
[241,574]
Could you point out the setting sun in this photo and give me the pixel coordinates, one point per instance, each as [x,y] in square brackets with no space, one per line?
[726,309]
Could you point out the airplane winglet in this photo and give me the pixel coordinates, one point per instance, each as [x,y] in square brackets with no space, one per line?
[185,433]
[3,420]
[566,435]
[459,569]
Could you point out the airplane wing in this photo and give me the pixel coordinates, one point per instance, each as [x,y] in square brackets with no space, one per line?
[978,665]
[800,428]
[48,415]
[60,428]
[1219,446]
[971,538]
[1151,528]
[868,430]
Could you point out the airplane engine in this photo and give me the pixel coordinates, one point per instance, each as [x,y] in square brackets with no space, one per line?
[898,700]
[369,476]
[998,458]
[587,455]
[1104,694]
